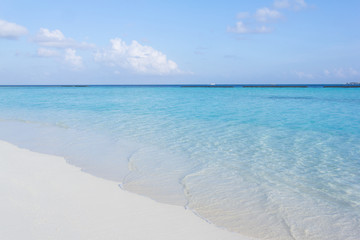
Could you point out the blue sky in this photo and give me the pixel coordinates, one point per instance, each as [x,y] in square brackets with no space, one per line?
[174,42]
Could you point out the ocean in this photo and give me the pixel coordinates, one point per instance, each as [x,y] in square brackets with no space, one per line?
[269,163]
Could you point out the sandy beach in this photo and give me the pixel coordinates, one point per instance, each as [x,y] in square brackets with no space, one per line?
[43,197]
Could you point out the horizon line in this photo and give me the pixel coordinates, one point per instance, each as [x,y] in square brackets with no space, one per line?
[211,85]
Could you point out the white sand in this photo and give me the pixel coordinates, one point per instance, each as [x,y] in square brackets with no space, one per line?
[43,197]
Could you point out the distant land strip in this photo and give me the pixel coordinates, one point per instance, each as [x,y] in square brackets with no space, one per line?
[275,86]
[208,86]
[205,85]
[345,86]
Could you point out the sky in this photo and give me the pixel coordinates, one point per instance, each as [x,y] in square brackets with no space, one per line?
[179,42]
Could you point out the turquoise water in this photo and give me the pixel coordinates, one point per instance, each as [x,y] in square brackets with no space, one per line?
[265,162]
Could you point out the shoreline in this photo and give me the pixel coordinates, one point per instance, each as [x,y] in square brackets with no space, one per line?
[44,197]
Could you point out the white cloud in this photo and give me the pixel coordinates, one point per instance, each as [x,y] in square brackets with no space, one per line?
[45,52]
[241,28]
[262,18]
[266,14]
[55,45]
[136,57]
[262,15]
[11,30]
[291,4]
[74,60]
[56,38]
[341,73]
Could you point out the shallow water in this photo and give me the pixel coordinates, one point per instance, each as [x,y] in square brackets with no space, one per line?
[265,162]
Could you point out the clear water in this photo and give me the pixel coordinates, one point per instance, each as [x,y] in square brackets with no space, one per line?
[265,162]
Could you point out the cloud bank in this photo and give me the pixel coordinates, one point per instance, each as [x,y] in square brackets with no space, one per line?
[53,44]
[260,20]
[11,30]
[241,28]
[137,58]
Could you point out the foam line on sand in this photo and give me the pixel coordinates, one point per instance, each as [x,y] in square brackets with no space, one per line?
[43,197]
